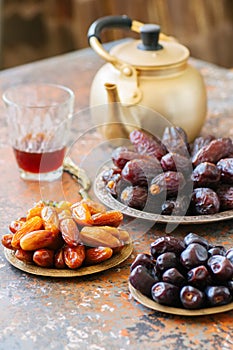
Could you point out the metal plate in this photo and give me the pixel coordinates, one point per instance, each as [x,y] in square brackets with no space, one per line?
[142,299]
[105,197]
[115,260]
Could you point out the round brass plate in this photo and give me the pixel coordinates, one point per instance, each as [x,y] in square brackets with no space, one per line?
[82,271]
[142,299]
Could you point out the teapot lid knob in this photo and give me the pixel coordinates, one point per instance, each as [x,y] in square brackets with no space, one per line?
[150,37]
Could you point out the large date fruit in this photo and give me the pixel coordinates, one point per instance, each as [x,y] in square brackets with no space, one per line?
[194,254]
[205,201]
[200,142]
[147,144]
[225,167]
[50,219]
[165,261]
[225,196]
[176,141]
[165,293]
[121,155]
[97,255]
[199,277]
[144,260]
[35,223]
[166,244]
[206,174]
[142,280]
[176,162]
[25,256]
[191,297]
[97,236]
[140,171]
[218,295]
[41,239]
[43,257]
[174,276]
[195,238]
[74,256]
[134,196]
[169,182]
[220,267]
[214,151]
[176,206]
[69,231]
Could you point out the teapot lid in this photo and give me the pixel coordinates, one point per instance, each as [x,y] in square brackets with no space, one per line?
[149,52]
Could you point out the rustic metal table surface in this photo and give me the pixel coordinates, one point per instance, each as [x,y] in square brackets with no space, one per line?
[97,312]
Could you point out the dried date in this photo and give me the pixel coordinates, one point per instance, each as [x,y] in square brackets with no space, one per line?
[200,142]
[140,172]
[43,257]
[34,223]
[50,219]
[95,236]
[176,206]
[169,182]
[25,256]
[59,260]
[70,232]
[6,241]
[41,239]
[97,255]
[74,256]
[205,201]
[146,144]
[176,141]
[122,155]
[176,162]
[110,218]
[134,196]
[206,175]
[225,167]
[225,195]
[214,151]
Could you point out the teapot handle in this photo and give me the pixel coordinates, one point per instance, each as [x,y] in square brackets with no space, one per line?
[124,21]
[94,39]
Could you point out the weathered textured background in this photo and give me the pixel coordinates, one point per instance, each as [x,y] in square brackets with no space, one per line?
[36,29]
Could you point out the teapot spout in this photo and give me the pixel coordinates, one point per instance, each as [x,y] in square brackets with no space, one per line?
[115,128]
[112,92]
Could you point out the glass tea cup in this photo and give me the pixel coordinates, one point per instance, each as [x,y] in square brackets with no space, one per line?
[39,118]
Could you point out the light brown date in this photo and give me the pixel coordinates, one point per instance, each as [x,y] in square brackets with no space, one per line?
[82,214]
[50,219]
[74,256]
[40,239]
[97,255]
[95,236]
[35,223]
[70,232]
[110,218]
[43,257]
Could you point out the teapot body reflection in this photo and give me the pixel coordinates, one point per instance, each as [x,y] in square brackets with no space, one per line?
[151,73]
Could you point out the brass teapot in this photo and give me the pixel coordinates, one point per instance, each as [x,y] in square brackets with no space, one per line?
[153,72]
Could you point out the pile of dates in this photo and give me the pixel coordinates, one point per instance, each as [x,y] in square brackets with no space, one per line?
[188,273]
[171,175]
[64,235]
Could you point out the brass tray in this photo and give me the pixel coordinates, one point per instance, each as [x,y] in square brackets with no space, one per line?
[106,198]
[115,260]
[144,300]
